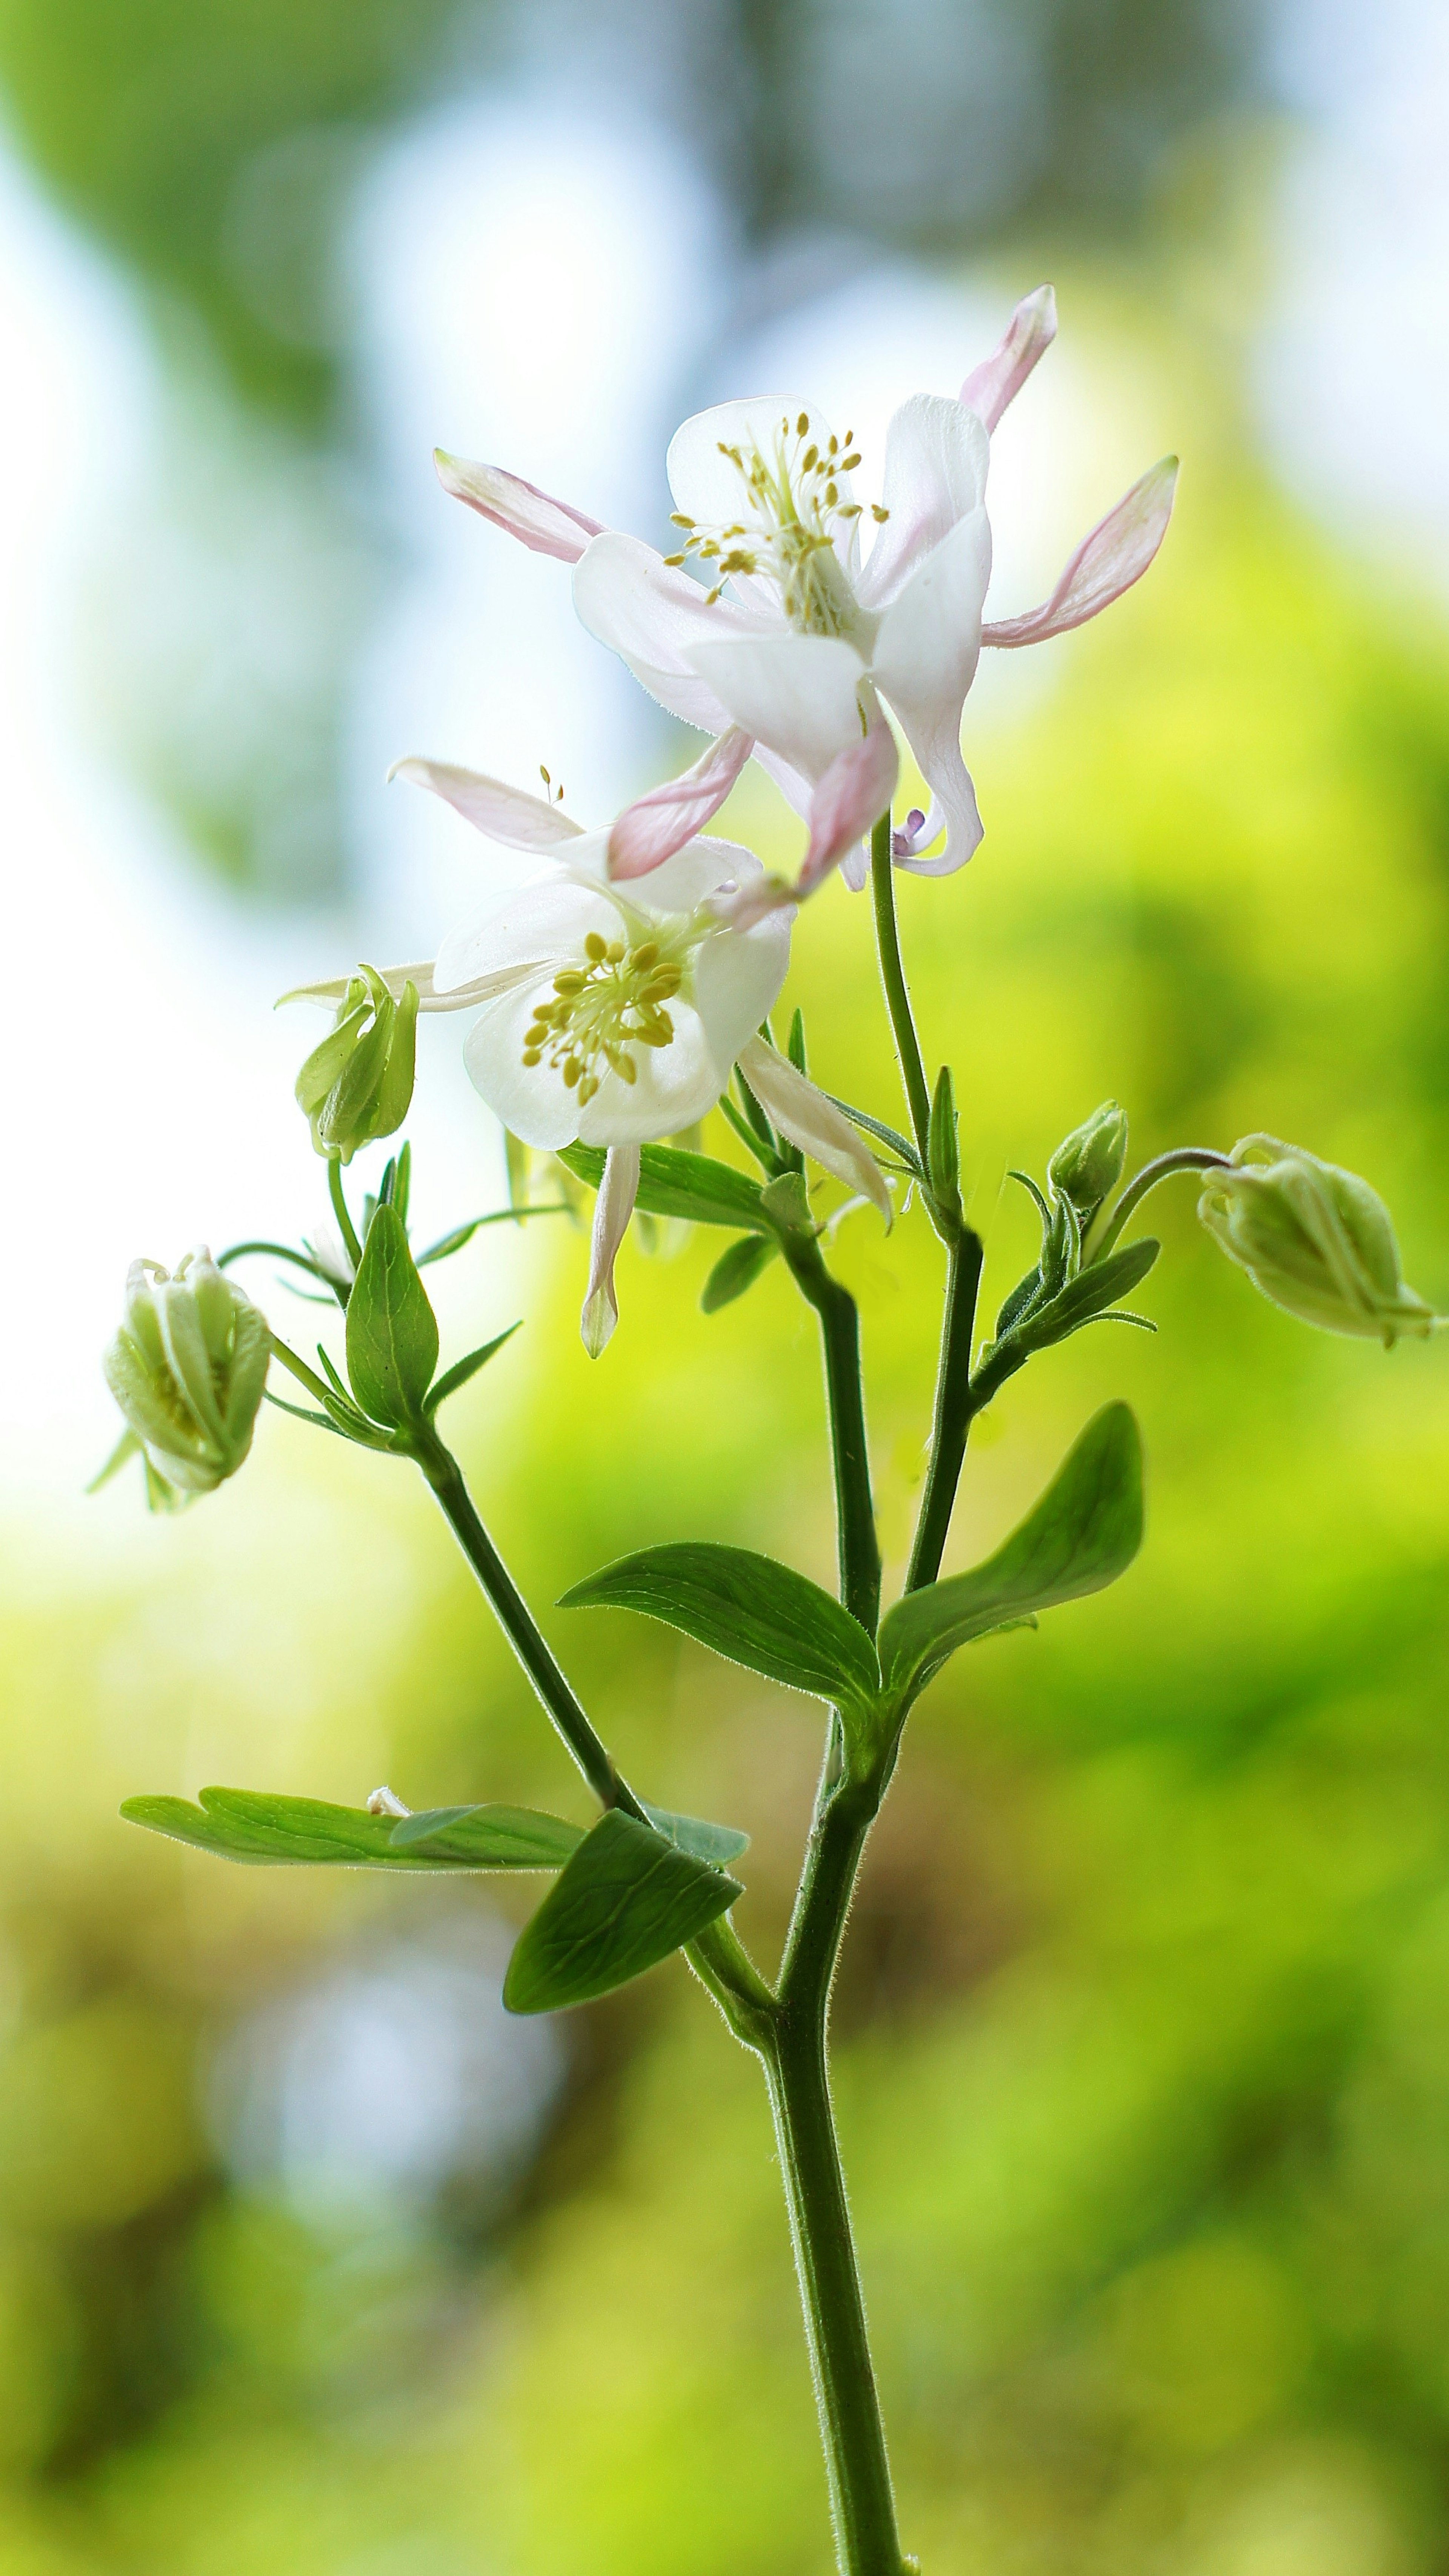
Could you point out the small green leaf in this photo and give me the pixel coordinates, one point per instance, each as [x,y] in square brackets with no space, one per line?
[626,1900]
[392,1333]
[1086,1296]
[461,1370]
[673,1182]
[487,1837]
[758,1613]
[717,1844]
[1082,1534]
[256,1826]
[737,1270]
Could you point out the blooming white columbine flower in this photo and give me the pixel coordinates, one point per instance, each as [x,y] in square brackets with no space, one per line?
[798,645]
[608,1014]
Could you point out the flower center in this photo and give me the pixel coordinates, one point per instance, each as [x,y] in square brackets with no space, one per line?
[793,513]
[599,1012]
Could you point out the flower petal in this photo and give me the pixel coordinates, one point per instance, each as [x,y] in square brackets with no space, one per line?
[1106,563]
[856,789]
[501,812]
[651,615]
[545,526]
[533,1102]
[613,1208]
[683,883]
[706,483]
[935,473]
[656,825]
[673,1086]
[542,923]
[925,661]
[737,980]
[800,694]
[999,379]
[812,1122]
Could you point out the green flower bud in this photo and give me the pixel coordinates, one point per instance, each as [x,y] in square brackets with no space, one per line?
[1088,1163]
[357,1085]
[187,1369]
[1316,1240]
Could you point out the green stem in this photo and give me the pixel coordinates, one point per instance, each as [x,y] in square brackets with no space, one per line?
[718,1955]
[338,1196]
[893,976]
[953,1410]
[1185,1158]
[857,1544]
[796,2063]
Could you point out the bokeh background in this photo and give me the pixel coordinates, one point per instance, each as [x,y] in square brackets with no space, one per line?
[310,2262]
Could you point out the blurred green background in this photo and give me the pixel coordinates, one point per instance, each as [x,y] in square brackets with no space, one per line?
[308,2262]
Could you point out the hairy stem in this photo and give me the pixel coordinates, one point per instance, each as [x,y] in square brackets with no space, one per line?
[858,1546]
[797,2068]
[893,976]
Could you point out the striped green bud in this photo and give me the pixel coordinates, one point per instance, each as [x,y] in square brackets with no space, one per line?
[1315,1239]
[358,1084]
[187,1369]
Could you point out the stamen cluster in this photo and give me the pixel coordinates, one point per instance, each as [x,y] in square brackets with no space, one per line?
[598,1012]
[795,512]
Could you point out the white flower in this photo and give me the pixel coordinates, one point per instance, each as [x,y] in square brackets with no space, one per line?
[799,644]
[609,1014]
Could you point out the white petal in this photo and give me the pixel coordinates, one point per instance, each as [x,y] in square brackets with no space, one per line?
[999,379]
[737,979]
[681,884]
[706,485]
[855,791]
[935,473]
[673,1086]
[1106,563]
[613,1208]
[500,812]
[655,826]
[812,1122]
[797,791]
[651,614]
[925,660]
[800,694]
[545,526]
[533,1101]
[545,923]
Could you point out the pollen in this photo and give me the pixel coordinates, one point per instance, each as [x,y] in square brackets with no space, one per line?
[599,1013]
[794,515]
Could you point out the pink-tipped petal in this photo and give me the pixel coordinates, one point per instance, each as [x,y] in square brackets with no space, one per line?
[999,379]
[1106,563]
[856,789]
[655,826]
[500,812]
[613,1208]
[925,660]
[812,1122]
[544,525]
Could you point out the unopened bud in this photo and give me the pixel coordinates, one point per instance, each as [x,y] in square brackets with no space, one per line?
[1317,1240]
[357,1085]
[187,1369]
[1088,1163]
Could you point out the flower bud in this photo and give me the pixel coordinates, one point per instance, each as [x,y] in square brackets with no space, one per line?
[1316,1240]
[357,1085]
[1088,1163]
[187,1369]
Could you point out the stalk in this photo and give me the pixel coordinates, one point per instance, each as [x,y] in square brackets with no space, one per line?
[893,977]
[857,1545]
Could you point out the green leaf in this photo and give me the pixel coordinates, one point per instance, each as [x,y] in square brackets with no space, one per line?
[1083,1533]
[626,1899]
[392,1333]
[673,1182]
[1089,1294]
[718,1844]
[461,1370]
[255,1826]
[737,1270]
[488,1837]
[758,1613]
